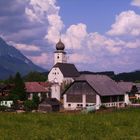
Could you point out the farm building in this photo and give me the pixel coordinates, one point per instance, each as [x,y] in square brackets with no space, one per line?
[94,90]
[49,104]
[131,88]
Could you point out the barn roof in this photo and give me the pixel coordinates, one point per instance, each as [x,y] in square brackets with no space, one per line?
[67,69]
[34,87]
[102,84]
[126,86]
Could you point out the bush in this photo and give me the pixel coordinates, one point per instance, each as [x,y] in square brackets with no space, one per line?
[103,107]
[3,108]
[29,105]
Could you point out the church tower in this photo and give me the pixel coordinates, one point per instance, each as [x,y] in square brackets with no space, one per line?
[60,54]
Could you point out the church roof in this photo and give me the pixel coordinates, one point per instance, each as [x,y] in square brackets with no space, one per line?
[67,69]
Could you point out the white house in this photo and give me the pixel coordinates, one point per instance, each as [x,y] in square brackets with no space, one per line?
[7,103]
[94,90]
[36,88]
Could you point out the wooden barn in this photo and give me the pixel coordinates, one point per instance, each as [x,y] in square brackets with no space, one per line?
[49,105]
[94,90]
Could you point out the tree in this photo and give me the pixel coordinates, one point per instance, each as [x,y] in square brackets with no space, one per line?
[29,105]
[10,80]
[36,101]
[19,88]
[35,77]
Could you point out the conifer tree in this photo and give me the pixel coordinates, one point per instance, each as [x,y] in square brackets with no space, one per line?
[19,88]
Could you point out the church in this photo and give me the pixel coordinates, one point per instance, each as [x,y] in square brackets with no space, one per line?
[62,73]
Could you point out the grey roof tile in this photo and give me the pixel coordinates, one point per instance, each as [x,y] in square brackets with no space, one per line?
[68,70]
[103,85]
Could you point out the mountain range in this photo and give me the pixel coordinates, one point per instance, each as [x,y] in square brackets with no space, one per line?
[12,61]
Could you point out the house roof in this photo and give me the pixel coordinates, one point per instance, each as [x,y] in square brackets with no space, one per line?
[34,87]
[126,86]
[6,86]
[68,70]
[102,84]
[45,84]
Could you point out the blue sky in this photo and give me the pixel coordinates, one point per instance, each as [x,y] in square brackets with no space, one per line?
[99,35]
[98,15]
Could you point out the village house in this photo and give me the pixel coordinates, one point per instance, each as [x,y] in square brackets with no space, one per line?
[5,89]
[36,88]
[4,95]
[94,90]
[138,91]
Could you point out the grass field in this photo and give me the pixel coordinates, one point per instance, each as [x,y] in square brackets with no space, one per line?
[120,125]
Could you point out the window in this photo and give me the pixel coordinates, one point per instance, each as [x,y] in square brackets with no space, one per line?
[57,57]
[78,105]
[69,105]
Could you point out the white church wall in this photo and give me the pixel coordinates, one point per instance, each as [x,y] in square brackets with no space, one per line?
[55,75]
[55,91]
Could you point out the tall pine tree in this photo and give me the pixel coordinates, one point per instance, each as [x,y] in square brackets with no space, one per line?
[19,88]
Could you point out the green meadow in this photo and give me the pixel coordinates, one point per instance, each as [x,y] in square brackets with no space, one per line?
[118,125]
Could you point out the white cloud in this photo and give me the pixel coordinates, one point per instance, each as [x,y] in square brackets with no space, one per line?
[75,36]
[127,23]
[135,3]
[25,47]
[46,11]
[54,29]
[81,58]
[133,44]
[89,48]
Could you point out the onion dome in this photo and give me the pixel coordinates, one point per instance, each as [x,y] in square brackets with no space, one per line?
[60,45]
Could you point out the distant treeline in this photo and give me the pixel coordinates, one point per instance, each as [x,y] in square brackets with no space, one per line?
[37,76]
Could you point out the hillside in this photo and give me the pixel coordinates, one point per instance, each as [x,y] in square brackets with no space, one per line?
[12,61]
